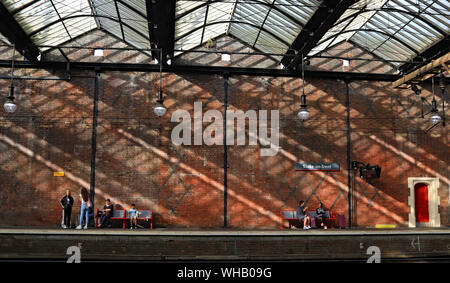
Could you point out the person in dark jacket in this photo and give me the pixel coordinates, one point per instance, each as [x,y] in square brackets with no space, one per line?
[106,213]
[321,213]
[66,203]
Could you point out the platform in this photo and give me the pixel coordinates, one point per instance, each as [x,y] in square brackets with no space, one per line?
[164,244]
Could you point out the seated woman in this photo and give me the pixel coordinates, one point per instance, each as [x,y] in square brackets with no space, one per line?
[320,211]
[106,213]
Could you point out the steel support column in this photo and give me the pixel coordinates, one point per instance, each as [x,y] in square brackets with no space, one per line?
[349,162]
[94,135]
[225,151]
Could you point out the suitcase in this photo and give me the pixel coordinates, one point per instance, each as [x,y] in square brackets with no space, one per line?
[341,221]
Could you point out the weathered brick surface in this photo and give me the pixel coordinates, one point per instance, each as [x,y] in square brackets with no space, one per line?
[137,162]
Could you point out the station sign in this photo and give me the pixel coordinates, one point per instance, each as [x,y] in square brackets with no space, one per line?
[317,166]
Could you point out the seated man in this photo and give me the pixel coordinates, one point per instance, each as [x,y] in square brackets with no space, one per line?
[302,215]
[106,213]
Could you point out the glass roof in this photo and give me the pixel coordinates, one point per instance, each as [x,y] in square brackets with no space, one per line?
[53,22]
[125,19]
[4,39]
[196,22]
[395,30]
[269,26]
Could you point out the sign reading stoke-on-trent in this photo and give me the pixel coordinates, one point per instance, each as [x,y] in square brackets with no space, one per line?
[317,167]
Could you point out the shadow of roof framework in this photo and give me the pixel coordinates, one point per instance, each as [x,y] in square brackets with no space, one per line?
[362,110]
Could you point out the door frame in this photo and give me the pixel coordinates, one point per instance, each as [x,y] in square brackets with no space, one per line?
[433,200]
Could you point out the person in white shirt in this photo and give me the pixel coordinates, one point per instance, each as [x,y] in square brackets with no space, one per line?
[133,213]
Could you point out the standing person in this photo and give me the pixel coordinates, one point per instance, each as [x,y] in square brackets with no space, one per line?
[84,211]
[321,214]
[107,212]
[302,216]
[133,216]
[66,203]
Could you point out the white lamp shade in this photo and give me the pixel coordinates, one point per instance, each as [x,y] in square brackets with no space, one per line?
[10,106]
[226,57]
[435,118]
[303,114]
[160,110]
[98,52]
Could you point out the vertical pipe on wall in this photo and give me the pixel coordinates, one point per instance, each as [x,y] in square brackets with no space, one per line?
[94,135]
[349,167]
[225,151]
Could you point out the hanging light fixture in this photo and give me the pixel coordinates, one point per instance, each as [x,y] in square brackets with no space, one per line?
[442,87]
[434,118]
[303,114]
[9,105]
[160,109]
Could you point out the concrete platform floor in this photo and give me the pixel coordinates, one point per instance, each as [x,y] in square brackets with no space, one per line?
[226,232]
[190,244]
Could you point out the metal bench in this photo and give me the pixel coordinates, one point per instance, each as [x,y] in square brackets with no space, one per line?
[146,215]
[291,216]
[330,218]
[117,214]
[124,215]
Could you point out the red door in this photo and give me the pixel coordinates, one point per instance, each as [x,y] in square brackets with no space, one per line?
[421,202]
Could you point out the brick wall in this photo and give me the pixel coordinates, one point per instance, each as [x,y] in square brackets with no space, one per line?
[138,163]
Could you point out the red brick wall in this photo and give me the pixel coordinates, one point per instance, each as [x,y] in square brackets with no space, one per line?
[137,162]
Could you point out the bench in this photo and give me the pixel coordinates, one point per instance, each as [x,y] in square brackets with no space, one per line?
[117,214]
[328,215]
[124,215]
[291,216]
[146,215]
